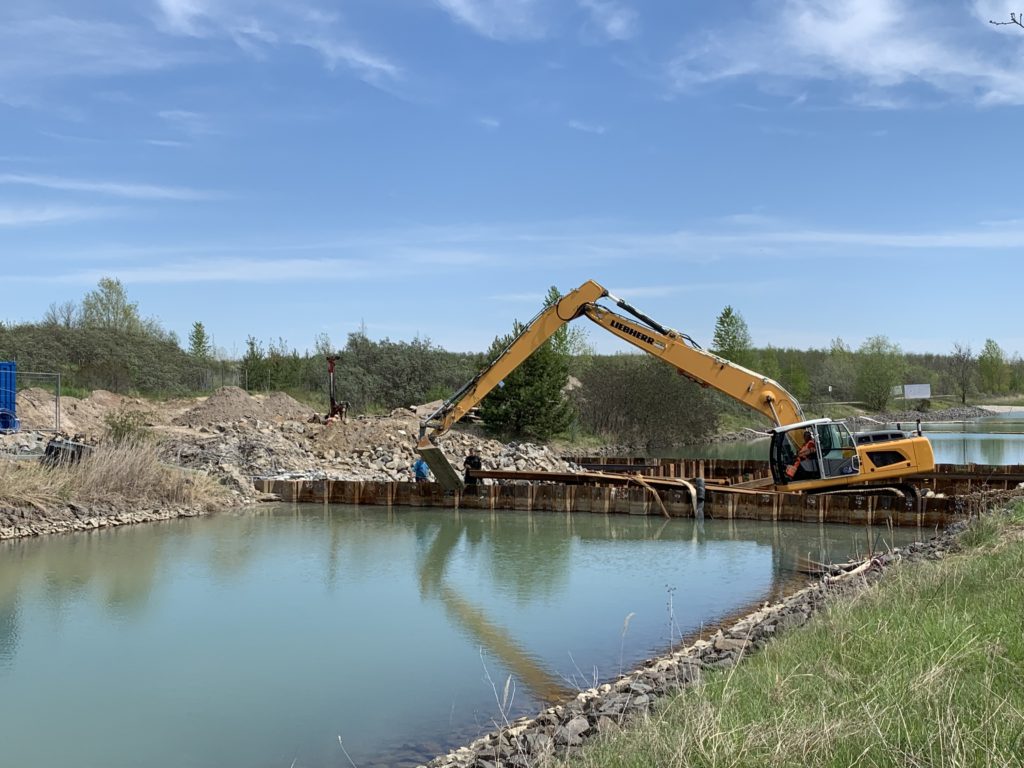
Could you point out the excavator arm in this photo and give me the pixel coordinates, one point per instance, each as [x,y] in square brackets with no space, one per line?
[758,392]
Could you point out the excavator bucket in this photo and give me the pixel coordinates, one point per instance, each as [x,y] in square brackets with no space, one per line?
[443,470]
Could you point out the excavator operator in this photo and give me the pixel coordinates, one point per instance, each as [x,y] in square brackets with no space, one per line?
[806,462]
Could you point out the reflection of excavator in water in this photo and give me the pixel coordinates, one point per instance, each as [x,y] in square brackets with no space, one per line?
[836,461]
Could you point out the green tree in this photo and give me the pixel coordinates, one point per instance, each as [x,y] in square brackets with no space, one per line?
[642,402]
[107,307]
[993,368]
[880,366]
[768,363]
[731,339]
[63,315]
[569,340]
[199,343]
[962,368]
[837,375]
[254,365]
[532,402]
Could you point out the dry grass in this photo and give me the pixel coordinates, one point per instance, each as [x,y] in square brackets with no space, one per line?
[126,475]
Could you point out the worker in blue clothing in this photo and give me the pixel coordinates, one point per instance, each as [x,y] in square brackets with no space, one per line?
[421,470]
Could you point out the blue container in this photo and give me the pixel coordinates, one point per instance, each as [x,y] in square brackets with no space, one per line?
[8,397]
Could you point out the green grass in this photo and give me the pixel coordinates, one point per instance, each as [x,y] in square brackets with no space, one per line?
[926,668]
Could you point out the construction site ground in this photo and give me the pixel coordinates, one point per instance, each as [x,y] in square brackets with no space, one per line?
[237,436]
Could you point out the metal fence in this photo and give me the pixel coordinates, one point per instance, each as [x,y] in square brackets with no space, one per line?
[38,400]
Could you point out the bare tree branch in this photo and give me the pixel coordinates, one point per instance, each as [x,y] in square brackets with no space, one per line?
[1015,18]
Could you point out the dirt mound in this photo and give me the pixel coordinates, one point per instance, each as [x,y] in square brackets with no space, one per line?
[278,405]
[87,416]
[37,409]
[231,404]
[225,405]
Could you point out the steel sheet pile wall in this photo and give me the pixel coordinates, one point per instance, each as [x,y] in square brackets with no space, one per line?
[549,497]
[946,478]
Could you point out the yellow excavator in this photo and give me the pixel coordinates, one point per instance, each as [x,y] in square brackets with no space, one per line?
[815,456]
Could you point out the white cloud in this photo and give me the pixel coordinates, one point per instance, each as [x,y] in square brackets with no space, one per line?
[370,67]
[50,214]
[47,46]
[498,19]
[577,125]
[257,26]
[489,122]
[115,189]
[873,46]
[231,270]
[192,123]
[616,21]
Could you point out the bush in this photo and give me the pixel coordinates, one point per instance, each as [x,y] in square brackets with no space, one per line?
[127,426]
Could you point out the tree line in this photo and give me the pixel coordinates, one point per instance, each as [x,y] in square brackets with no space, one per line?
[564,389]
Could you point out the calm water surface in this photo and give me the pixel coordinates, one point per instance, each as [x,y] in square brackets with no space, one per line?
[258,639]
[996,440]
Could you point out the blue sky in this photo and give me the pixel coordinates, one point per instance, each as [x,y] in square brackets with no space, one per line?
[431,167]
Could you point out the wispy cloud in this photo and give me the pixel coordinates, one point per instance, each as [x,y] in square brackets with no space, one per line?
[578,125]
[489,122]
[370,67]
[614,20]
[51,214]
[46,47]
[230,270]
[115,189]
[498,19]
[186,121]
[881,50]
[589,243]
[258,26]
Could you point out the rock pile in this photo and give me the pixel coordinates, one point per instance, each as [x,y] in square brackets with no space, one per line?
[237,437]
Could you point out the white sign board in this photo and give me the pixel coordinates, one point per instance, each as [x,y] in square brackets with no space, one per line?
[917,391]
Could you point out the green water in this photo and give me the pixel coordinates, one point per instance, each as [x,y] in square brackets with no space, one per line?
[257,639]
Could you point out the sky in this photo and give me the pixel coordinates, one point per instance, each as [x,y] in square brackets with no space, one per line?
[429,168]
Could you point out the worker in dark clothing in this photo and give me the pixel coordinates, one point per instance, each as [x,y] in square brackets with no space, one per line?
[421,470]
[472,461]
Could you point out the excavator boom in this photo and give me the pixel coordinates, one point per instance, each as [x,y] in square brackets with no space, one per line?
[757,392]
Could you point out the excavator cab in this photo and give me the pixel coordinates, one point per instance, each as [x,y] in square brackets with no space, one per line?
[833,454]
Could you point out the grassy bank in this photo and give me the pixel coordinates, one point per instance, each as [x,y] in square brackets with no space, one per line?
[120,476]
[923,669]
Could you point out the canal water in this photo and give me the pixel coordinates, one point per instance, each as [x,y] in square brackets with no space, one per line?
[309,636]
[995,440]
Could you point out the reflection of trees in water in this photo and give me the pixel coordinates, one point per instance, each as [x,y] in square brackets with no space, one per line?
[121,564]
[8,629]
[527,555]
[992,451]
[530,557]
[497,640]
